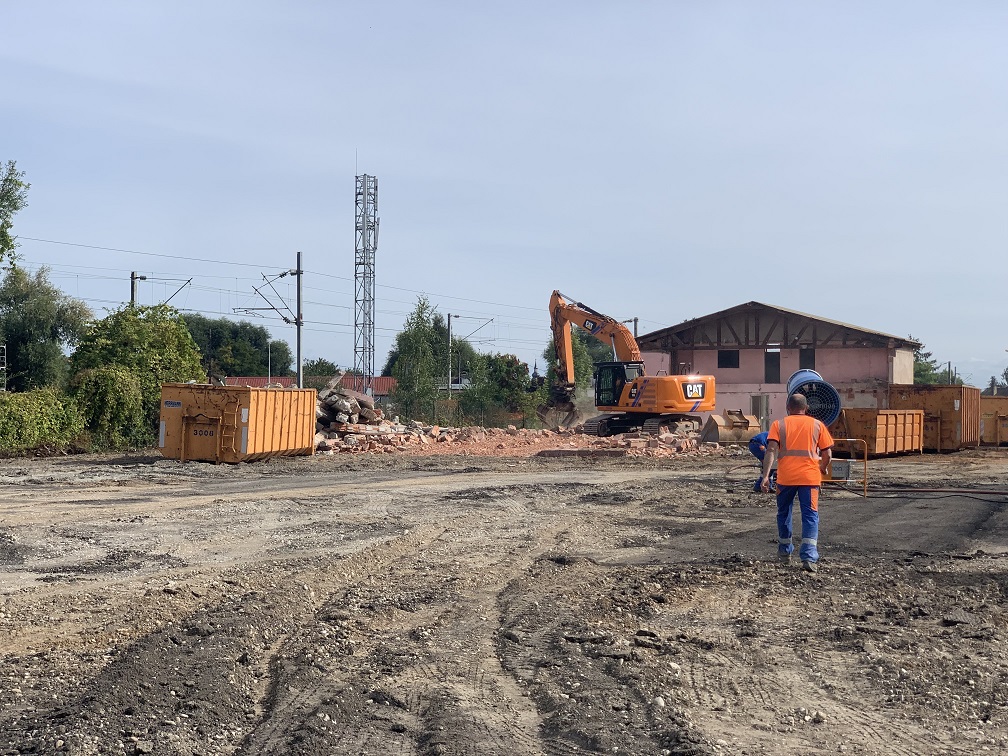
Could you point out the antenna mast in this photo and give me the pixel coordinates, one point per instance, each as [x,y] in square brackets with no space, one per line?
[365,245]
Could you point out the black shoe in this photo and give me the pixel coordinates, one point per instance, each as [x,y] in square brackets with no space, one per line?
[810,566]
[784,559]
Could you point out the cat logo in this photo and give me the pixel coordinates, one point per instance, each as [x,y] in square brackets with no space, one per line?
[693,390]
[591,326]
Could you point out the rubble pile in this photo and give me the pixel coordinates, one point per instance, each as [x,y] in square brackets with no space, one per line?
[664,444]
[348,422]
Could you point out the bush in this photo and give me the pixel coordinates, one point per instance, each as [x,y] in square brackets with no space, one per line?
[112,405]
[40,419]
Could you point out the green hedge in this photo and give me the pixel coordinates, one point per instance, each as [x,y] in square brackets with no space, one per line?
[112,405]
[40,419]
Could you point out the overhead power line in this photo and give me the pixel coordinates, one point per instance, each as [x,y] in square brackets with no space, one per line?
[147,254]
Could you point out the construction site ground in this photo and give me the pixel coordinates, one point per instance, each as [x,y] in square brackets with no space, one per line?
[496,603]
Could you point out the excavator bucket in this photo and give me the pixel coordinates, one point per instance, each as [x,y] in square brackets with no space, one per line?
[559,410]
[564,415]
[730,427]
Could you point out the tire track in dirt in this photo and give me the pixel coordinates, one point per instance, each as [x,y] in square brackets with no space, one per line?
[458,700]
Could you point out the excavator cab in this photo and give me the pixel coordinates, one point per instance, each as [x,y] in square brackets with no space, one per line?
[611,378]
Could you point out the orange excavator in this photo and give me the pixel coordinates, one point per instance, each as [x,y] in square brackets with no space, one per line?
[630,399]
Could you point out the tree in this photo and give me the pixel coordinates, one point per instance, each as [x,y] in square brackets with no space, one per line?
[462,352]
[925,366]
[585,349]
[412,363]
[232,347]
[37,321]
[153,343]
[13,198]
[509,381]
[319,366]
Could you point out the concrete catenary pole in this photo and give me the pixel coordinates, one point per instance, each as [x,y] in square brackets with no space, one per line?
[300,322]
[133,286]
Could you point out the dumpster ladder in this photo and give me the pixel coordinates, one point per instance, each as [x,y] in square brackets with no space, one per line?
[229,430]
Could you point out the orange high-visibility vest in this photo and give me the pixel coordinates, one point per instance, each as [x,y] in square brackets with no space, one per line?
[800,439]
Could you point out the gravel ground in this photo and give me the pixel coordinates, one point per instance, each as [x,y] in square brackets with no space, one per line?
[494,602]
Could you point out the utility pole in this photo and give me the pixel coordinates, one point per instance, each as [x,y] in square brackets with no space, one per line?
[133,287]
[300,321]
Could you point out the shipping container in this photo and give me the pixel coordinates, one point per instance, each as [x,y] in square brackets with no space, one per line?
[994,420]
[951,414]
[235,423]
[884,431]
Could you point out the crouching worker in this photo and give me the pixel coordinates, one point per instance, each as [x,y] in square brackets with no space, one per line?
[803,446]
[757,445]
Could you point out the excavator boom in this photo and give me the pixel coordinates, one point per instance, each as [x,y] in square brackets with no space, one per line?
[602,327]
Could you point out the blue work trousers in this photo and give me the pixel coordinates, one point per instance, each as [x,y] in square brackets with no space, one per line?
[808,499]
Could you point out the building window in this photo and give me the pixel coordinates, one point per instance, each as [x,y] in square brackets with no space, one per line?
[806,359]
[727,358]
[771,366]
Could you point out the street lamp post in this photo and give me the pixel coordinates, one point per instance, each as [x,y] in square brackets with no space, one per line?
[450,316]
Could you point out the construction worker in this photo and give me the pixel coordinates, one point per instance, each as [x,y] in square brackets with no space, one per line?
[757,446]
[804,448]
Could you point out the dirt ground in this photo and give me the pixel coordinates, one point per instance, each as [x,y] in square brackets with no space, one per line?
[406,604]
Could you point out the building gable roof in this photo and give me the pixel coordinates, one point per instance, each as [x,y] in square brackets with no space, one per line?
[759,325]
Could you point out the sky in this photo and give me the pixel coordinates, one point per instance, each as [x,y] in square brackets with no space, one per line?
[659,160]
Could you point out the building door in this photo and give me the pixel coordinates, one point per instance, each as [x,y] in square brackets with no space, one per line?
[760,408]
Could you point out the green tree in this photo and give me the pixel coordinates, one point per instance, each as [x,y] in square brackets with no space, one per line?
[13,198]
[476,401]
[509,381]
[232,347]
[37,322]
[152,343]
[925,366]
[462,352]
[413,365]
[319,366]
[586,351]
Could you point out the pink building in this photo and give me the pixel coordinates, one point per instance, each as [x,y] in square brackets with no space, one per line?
[752,349]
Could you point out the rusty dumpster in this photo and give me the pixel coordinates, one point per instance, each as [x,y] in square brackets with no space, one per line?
[886,432]
[994,420]
[235,423]
[951,414]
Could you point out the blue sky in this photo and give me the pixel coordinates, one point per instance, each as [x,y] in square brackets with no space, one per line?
[662,160]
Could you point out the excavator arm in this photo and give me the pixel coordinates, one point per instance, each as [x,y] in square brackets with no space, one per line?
[560,409]
[604,328]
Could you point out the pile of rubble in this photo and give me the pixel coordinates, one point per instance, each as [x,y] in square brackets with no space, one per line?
[338,406]
[348,422]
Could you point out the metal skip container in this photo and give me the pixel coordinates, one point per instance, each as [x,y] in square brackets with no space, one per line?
[994,420]
[235,423]
[951,414]
[883,431]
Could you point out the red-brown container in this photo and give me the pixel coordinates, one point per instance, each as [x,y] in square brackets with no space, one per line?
[951,414]
[994,420]
[885,432]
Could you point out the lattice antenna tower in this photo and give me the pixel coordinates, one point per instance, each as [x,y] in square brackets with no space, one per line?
[365,246]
